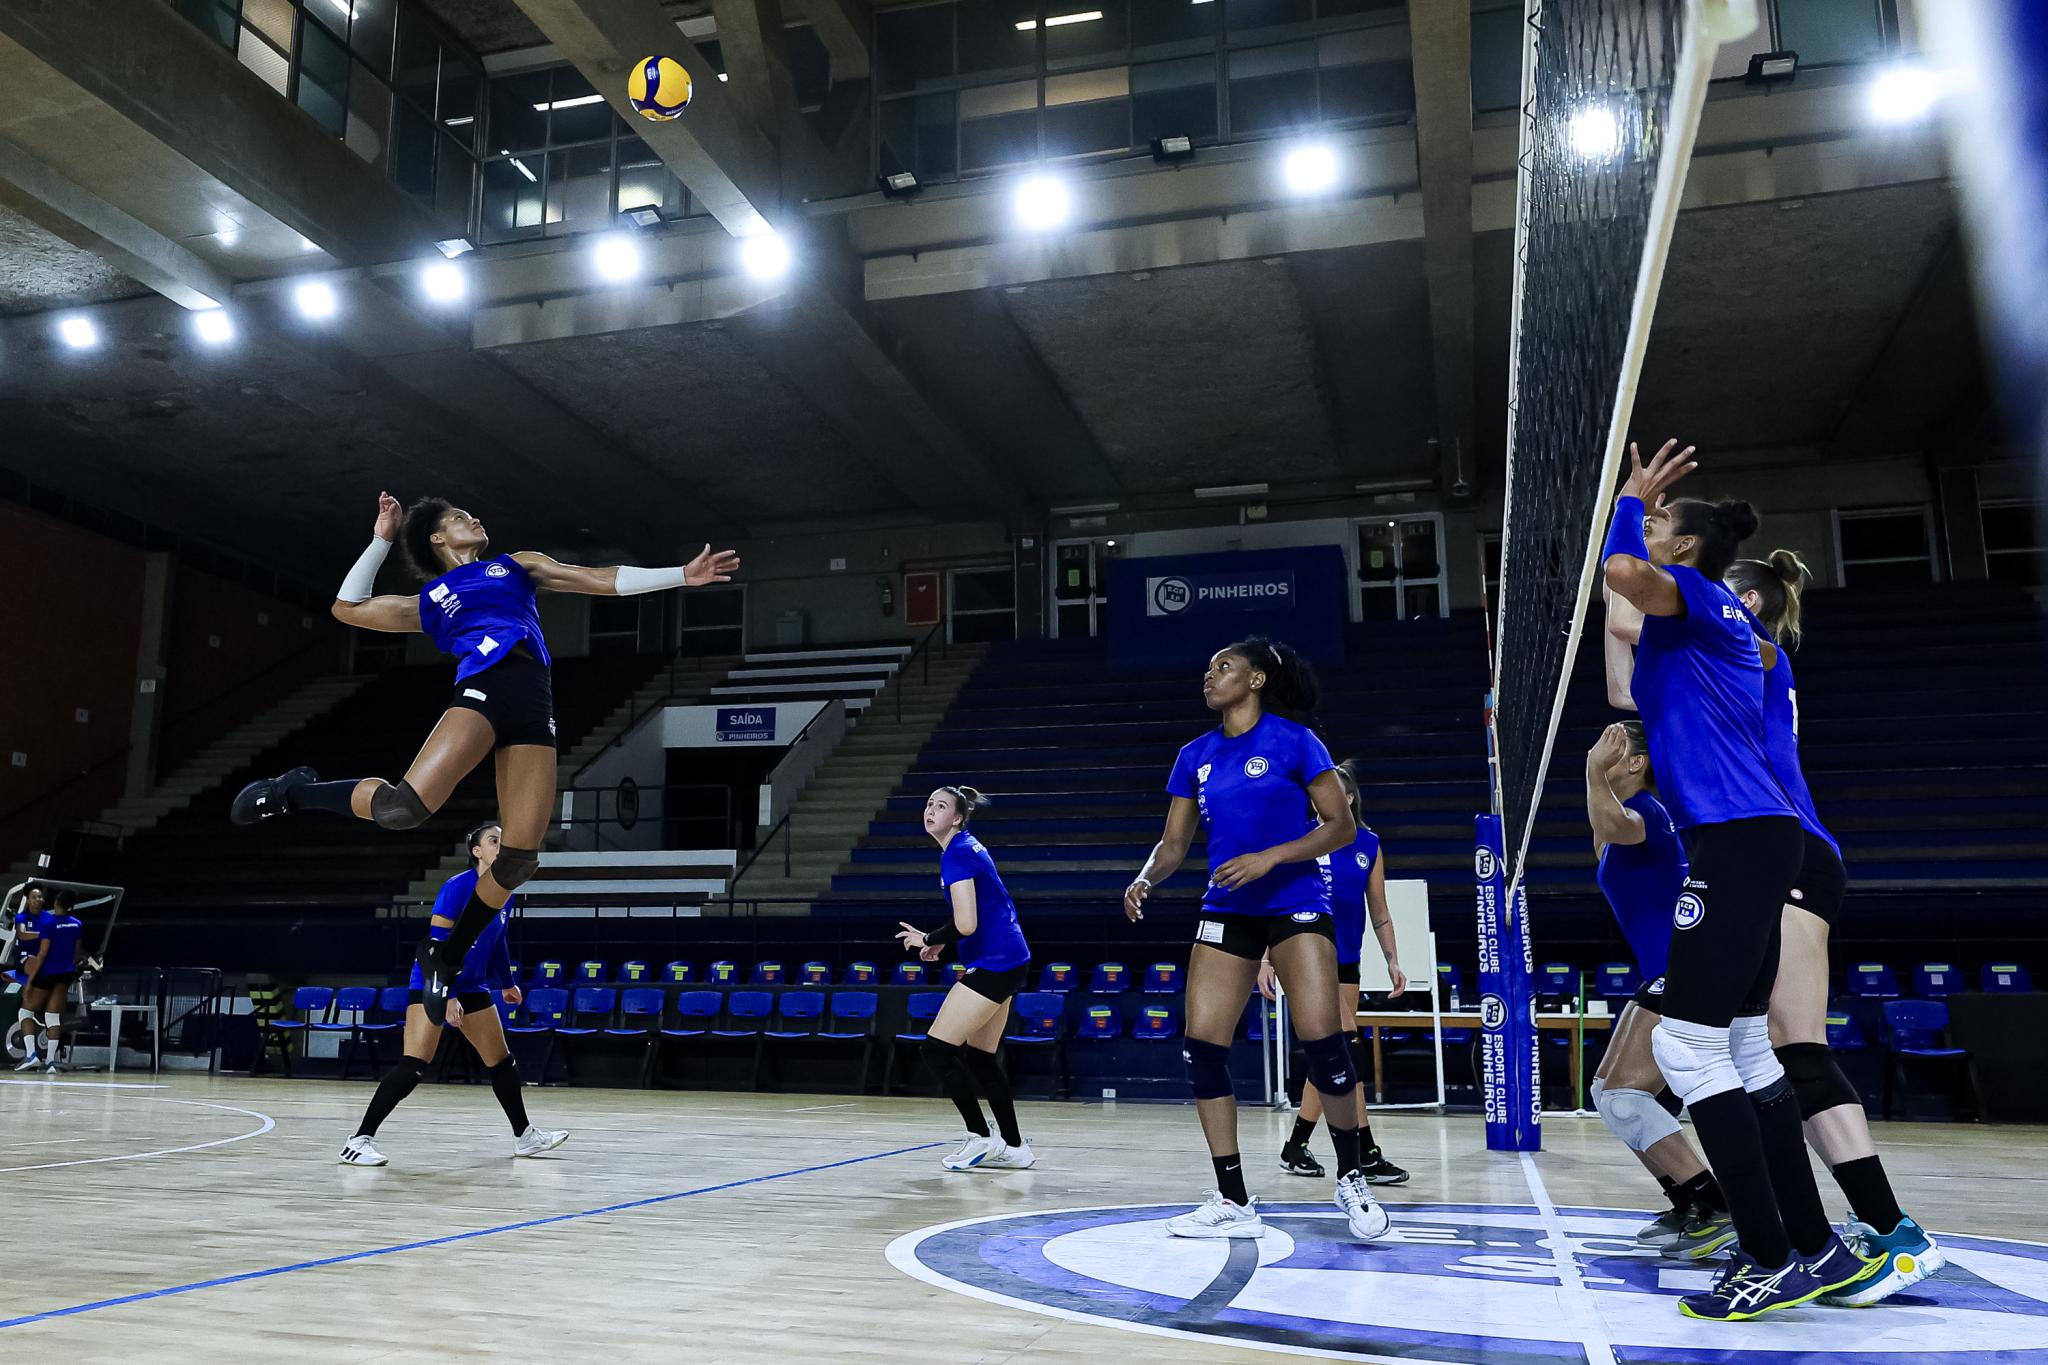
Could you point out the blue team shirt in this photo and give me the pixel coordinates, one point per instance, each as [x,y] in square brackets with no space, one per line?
[1642,883]
[997,943]
[1781,739]
[478,611]
[487,966]
[1349,872]
[63,932]
[1699,685]
[1253,794]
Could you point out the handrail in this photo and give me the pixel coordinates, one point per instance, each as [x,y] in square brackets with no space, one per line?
[788,821]
[637,714]
[921,648]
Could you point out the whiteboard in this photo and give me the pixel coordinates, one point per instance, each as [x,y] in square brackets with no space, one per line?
[1408,906]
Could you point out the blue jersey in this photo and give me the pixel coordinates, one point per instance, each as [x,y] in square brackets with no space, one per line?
[997,943]
[1348,872]
[487,966]
[478,611]
[62,931]
[1642,883]
[1699,684]
[1781,739]
[1253,794]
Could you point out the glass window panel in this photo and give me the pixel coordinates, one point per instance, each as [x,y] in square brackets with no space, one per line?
[2012,526]
[419,59]
[1331,9]
[412,152]
[1250,14]
[998,125]
[1830,30]
[369,117]
[516,124]
[1422,601]
[579,194]
[573,122]
[645,181]
[1153,23]
[512,202]
[918,135]
[1375,90]
[1379,604]
[1376,553]
[271,18]
[810,65]
[371,32]
[323,77]
[1088,40]
[1497,59]
[1885,536]
[991,100]
[1896,574]
[460,85]
[1088,112]
[266,61]
[1419,557]
[1272,88]
[984,590]
[454,183]
[990,39]
[1172,98]
[1073,622]
[211,17]
[913,46]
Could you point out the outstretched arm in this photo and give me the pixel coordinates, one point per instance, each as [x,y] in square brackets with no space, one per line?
[353,604]
[1628,569]
[627,580]
[1618,641]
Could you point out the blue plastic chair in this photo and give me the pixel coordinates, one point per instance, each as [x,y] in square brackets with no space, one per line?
[1109,978]
[1155,1024]
[1915,1029]
[920,1009]
[1845,1034]
[1163,978]
[590,973]
[1617,981]
[1556,983]
[1936,980]
[634,973]
[695,1005]
[549,973]
[851,1021]
[590,1010]
[679,973]
[1873,981]
[908,974]
[546,1010]
[308,1004]
[816,974]
[769,974]
[862,974]
[802,1012]
[949,972]
[746,1017]
[1100,1024]
[356,1002]
[392,1000]
[1038,1020]
[640,1013]
[1056,977]
[723,973]
[2005,978]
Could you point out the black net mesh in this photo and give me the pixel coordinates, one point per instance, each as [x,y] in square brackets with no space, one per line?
[1596,109]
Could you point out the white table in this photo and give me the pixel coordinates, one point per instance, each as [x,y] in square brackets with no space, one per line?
[115,1009]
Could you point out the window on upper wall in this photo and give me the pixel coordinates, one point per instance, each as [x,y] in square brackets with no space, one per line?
[1878,547]
[2014,547]
[1497,40]
[214,18]
[1174,97]
[322,87]
[1823,31]
[913,47]
[919,135]
[1272,88]
[998,36]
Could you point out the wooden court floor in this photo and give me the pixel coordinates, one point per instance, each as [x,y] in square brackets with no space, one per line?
[198,1219]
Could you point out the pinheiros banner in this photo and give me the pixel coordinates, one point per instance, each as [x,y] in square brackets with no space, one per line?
[1176,610]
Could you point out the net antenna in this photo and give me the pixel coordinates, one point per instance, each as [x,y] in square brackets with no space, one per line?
[1611,98]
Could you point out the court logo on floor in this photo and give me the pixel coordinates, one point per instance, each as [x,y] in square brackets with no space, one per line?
[1461,1282]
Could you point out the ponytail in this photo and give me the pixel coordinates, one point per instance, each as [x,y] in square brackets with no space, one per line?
[1720,528]
[970,801]
[1779,584]
[1292,691]
[1347,774]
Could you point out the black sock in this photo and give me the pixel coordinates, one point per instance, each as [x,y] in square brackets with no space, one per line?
[1784,1143]
[396,1085]
[475,918]
[336,798]
[1230,1178]
[1700,1192]
[1368,1150]
[995,1087]
[1727,1125]
[1304,1129]
[1870,1192]
[1344,1142]
[1670,1188]
[958,1085]
[505,1085]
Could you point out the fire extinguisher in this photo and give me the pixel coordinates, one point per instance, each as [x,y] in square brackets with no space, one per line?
[888,597]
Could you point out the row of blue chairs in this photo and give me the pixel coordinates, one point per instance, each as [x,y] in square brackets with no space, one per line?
[1106,978]
[1913,1033]
[1937,980]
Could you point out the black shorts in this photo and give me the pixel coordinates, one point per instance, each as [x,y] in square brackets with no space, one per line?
[516,695]
[1649,996]
[996,986]
[1823,881]
[61,980]
[469,1000]
[1724,940]
[1347,973]
[1249,936]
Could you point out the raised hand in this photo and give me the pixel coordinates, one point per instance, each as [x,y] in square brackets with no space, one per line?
[390,516]
[1666,467]
[711,566]
[1609,749]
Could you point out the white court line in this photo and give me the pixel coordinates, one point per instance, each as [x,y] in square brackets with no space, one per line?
[1576,1299]
[268,1124]
[814,1108]
[86,1085]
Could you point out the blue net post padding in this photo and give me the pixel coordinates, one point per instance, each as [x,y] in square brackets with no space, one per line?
[1509,1060]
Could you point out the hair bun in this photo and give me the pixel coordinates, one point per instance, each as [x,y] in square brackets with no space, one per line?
[1790,569]
[1738,517]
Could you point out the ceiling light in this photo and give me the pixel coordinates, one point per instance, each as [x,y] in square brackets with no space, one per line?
[899,185]
[1041,203]
[723,78]
[1081,509]
[765,256]
[1772,66]
[79,333]
[524,170]
[577,102]
[1233,490]
[1311,169]
[645,216]
[307,243]
[1179,147]
[1595,133]
[616,258]
[315,299]
[1059,20]
[213,326]
[451,247]
[458,122]
[1903,94]
[444,282]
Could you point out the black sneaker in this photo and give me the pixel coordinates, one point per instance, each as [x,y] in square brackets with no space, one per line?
[270,797]
[1296,1160]
[1377,1170]
[1666,1228]
[437,978]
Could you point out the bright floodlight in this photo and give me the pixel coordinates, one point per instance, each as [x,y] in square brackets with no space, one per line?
[1042,203]
[79,333]
[315,299]
[1311,169]
[1595,133]
[214,326]
[444,282]
[616,258]
[1903,94]
[765,256]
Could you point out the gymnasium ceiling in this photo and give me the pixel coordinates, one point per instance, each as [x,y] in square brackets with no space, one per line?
[1200,333]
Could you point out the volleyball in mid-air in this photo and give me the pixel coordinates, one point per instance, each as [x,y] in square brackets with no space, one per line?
[659,88]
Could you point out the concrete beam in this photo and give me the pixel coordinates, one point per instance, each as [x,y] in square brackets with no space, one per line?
[757,62]
[1440,38]
[59,204]
[844,26]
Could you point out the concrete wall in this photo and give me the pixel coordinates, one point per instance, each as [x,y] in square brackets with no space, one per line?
[795,573]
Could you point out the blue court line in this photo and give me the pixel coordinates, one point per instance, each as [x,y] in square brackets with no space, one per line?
[247,1275]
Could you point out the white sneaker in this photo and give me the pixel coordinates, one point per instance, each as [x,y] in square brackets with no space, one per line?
[1003,1157]
[534,1140]
[1369,1222]
[360,1151]
[972,1151]
[30,1063]
[1218,1217]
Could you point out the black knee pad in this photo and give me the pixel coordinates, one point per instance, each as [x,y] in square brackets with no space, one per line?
[398,807]
[515,867]
[410,1069]
[1329,1066]
[1816,1078]
[1208,1068]
[508,1067]
[1360,1059]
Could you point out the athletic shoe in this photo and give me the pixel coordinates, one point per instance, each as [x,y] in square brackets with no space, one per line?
[53,1068]
[972,1151]
[360,1151]
[1664,1229]
[1836,1267]
[1706,1233]
[1747,1290]
[270,797]
[1298,1161]
[1369,1222]
[1910,1256]
[1003,1157]
[534,1140]
[1380,1171]
[30,1063]
[1218,1217]
[437,978]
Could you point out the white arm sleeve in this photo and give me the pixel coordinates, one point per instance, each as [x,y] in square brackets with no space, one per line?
[362,579]
[634,581]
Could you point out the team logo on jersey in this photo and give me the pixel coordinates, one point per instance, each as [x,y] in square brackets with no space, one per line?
[1493,1011]
[1307,1289]
[1364,861]
[1255,767]
[1691,910]
[495,571]
[1202,773]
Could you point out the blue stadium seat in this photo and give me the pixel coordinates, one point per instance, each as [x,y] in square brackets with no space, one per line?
[723,973]
[1914,1032]
[309,1003]
[392,1000]
[640,1013]
[1873,981]
[746,1017]
[1617,982]
[949,972]
[862,974]
[1845,1034]
[590,1010]
[1155,1024]
[546,1008]
[852,1021]
[1057,977]
[2004,978]
[695,1012]
[635,973]
[1100,1023]
[919,1011]
[1450,984]
[1038,1020]
[801,1013]
[1557,984]
[1163,978]
[549,973]
[355,1002]
[909,974]
[1260,1019]
[590,972]
[816,974]
[1936,980]
[679,973]
[769,974]
[1109,978]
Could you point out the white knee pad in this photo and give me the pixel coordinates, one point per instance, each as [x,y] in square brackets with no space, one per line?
[1696,1060]
[52,1020]
[1634,1116]
[1756,1061]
